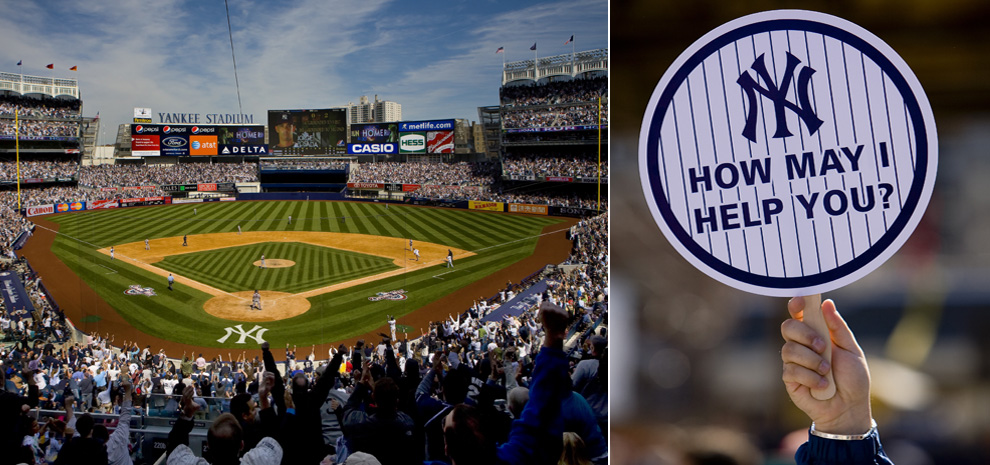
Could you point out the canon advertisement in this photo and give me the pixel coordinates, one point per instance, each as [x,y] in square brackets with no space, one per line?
[152,140]
[308,132]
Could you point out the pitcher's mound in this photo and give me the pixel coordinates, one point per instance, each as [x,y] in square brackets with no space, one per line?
[275,263]
[274,306]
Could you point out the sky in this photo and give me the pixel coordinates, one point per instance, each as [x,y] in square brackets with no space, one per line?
[437,59]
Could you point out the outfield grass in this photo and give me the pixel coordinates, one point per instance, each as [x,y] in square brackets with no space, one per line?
[498,240]
[232,269]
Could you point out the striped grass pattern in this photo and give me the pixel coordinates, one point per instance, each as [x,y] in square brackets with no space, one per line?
[498,240]
[232,269]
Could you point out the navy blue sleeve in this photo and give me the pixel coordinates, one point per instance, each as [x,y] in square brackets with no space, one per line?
[821,451]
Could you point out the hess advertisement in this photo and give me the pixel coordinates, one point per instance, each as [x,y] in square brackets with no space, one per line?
[308,132]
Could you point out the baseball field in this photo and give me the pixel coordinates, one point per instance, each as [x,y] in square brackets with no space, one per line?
[332,275]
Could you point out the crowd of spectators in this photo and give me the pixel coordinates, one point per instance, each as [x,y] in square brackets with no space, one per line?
[462,390]
[425,173]
[158,174]
[12,223]
[554,116]
[39,129]
[36,108]
[554,164]
[302,165]
[554,93]
[38,169]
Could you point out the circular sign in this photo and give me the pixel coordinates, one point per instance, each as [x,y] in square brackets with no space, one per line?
[788,153]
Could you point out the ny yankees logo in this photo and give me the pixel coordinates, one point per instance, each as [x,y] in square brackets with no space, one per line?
[244,334]
[778,95]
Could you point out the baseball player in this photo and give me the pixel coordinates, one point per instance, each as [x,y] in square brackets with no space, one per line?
[194,212]
[262,261]
[410,243]
[416,253]
[238,230]
[184,242]
[290,219]
[171,280]
[391,325]
[147,245]
[256,301]
[450,260]
[111,252]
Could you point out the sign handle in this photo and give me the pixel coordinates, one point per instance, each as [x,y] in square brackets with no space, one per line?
[813,317]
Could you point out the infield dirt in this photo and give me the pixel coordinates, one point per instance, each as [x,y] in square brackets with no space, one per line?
[78,300]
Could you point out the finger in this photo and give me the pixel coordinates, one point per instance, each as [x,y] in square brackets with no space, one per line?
[794,373]
[838,329]
[798,354]
[795,307]
[801,333]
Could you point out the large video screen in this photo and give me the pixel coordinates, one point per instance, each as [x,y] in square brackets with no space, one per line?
[172,140]
[308,132]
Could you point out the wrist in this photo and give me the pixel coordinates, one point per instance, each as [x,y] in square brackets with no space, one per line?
[850,432]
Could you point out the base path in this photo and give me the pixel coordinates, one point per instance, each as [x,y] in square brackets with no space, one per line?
[77,300]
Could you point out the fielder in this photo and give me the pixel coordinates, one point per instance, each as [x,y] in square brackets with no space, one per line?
[147,246]
[184,242]
[391,325]
[262,262]
[416,253]
[238,230]
[450,261]
[290,219]
[111,252]
[171,280]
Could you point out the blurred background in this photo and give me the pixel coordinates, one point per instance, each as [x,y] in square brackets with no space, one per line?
[695,377]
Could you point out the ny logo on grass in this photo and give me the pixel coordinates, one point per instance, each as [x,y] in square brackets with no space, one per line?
[778,95]
[237,329]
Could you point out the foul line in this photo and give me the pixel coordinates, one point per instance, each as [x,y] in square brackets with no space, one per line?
[438,276]
[112,271]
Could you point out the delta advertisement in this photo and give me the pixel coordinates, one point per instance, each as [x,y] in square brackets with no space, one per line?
[489,206]
[152,140]
[308,132]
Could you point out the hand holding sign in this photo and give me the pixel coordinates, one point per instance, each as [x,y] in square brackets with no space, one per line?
[805,368]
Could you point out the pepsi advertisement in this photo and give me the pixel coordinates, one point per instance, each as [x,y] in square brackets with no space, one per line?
[171,140]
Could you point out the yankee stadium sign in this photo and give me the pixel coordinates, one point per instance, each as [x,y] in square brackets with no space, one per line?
[788,153]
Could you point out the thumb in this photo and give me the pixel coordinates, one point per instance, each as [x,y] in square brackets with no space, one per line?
[841,335]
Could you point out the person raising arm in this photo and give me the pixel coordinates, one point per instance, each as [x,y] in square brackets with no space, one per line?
[842,427]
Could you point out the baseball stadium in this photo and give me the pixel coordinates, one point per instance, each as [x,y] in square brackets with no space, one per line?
[155,288]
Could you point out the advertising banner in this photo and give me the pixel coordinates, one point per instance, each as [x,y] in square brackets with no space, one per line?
[77,206]
[145,145]
[559,179]
[587,127]
[19,306]
[413,142]
[204,187]
[40,210]
[371,148]
[440,142]
[143,201]
[61,207]
[490,206]
[434,125]
[410,187]
[101,204]
[376,133]
[525,300]
[185,140]
[308,132]
[528,208]
[203,145]
[365,185]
